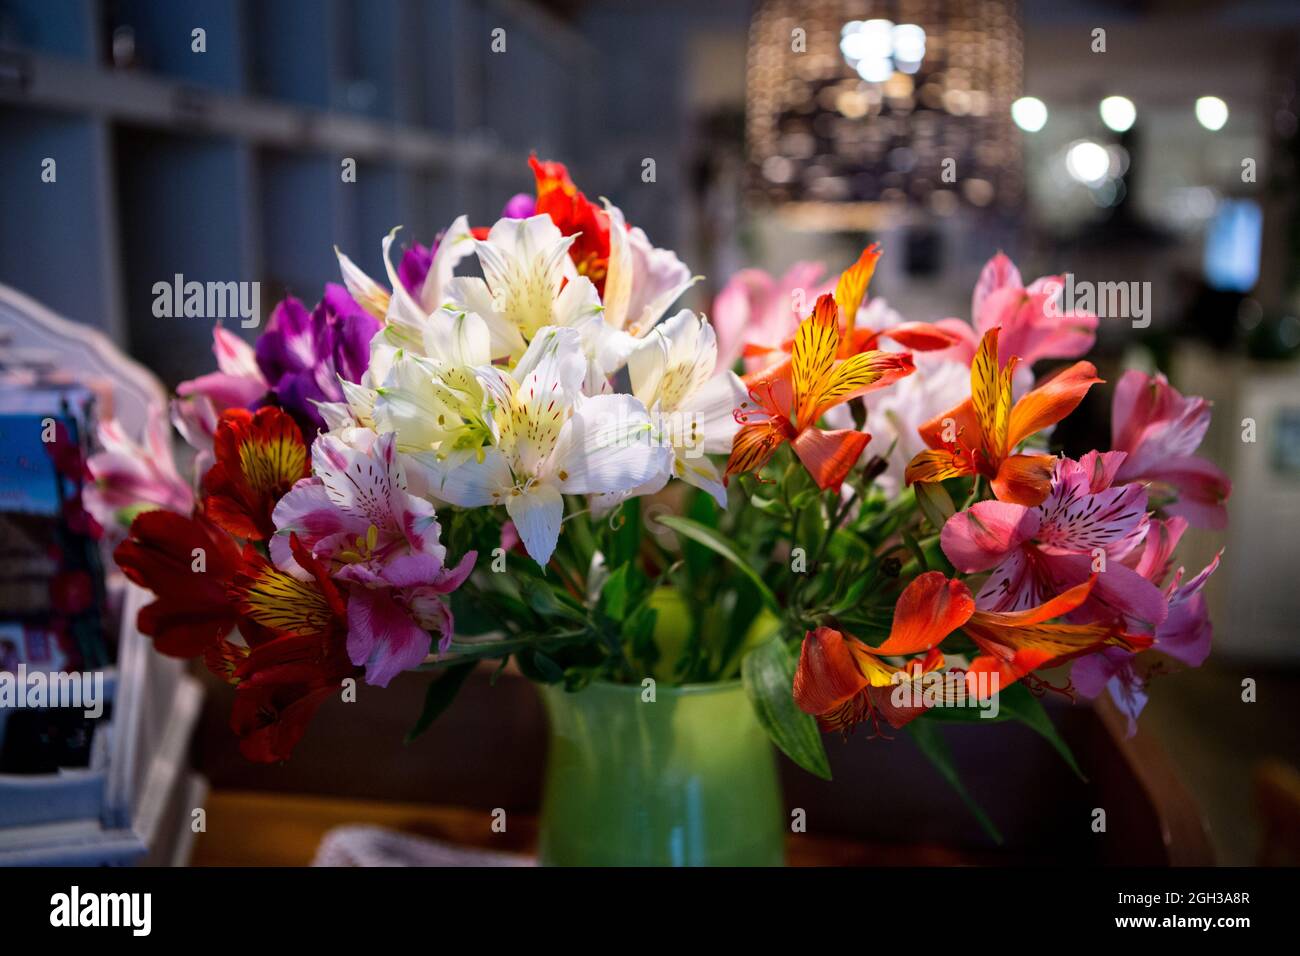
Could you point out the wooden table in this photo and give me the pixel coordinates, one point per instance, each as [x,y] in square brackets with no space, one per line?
[246,828]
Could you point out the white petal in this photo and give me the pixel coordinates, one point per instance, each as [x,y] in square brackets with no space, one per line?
[702,473]
[620,271]
[537,514]
[606,446]
[659,279]
[471,294]
[469,484]
[712,411]
[370,295]
[458,338]
[456,244]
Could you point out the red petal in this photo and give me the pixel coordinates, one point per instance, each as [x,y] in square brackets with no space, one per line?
[928,610]
[827,676]
[828,456]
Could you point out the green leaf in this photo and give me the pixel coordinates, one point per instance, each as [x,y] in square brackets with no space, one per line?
[768,673]
[715,542]
[551,672]
[625,539]
[614,596]
[935,503]
[935,748]
[442,691]
[1022,705]
[544,600]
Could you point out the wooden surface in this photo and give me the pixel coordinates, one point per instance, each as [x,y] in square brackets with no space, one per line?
[245,828]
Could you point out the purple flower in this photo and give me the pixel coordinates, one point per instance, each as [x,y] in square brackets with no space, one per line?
[414,267]
[302,354]
[519,206]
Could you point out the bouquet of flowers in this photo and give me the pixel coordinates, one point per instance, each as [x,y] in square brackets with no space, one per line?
[539,465]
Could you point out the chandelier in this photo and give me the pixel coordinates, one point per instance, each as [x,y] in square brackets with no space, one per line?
[884,104]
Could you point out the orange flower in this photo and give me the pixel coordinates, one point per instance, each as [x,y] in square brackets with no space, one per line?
[841,681]
[850,290]
[794,394]
[259,457]
[979,436]
[1016,643]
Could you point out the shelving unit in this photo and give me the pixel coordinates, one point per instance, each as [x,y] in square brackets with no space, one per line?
[225,165]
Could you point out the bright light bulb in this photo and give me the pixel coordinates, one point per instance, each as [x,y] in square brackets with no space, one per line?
[1211,112]
[909,42]
[1029,113]
[1088,162]
[1118,113]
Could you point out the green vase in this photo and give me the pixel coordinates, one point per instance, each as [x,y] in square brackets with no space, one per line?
[688,779]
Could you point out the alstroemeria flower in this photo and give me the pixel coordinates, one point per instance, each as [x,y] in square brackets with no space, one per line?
[1185,634]
[979,437]
[769,337]
[356,516]
[1014,644]
[304,354]
[841,680]
[552,441]
[529,283]
[398,304]
[1032,319]
[641,281]
[1161,429]
[1082,527]
[758,311]
[575,216]
[692,409]
[295,656]
[259,457]
[237,383]
[187,563]
[128,478]
[792,396]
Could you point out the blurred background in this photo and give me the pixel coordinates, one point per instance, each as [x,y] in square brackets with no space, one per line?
[1147,141]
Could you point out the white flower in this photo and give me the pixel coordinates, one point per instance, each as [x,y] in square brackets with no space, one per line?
[398,308]
[530,283]
[692,409]
[550,441]
[641,282]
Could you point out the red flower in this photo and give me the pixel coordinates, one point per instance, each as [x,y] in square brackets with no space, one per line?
[187,564]
[259,457]
[574,214]
[297,655]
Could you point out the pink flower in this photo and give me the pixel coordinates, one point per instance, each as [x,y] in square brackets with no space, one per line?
[1033,324]
[1084,526]
[756,310]
[1160,429]
[356,516]
[237,383]
[129,478]
[1184,635]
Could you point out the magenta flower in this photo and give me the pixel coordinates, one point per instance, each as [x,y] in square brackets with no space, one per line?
[129,478]
[1160,429]
[414,267]
[1035,324]
[1184,635]
[303,354]
[356,516]
[520,206]
[1084,526]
